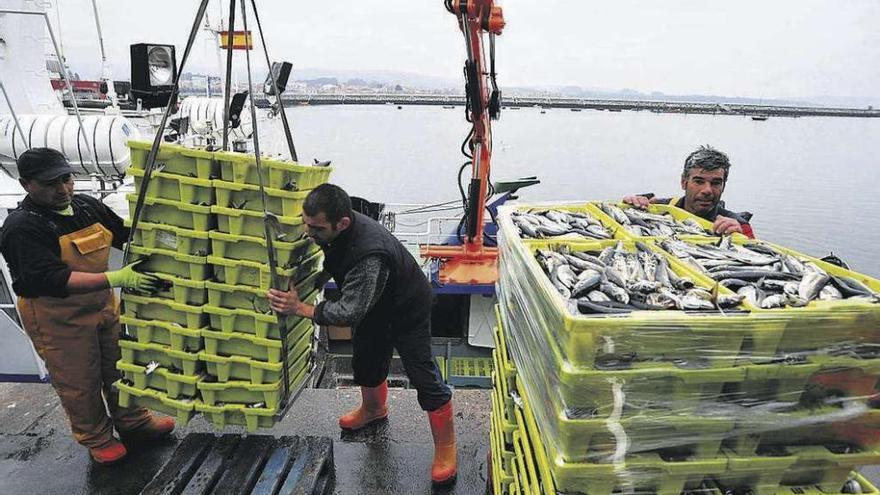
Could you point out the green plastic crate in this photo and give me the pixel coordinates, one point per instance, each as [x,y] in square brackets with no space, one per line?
[252,224]
[248,197]
[168,212]
[227,368]
[171,238]
[181,188]
[250,322]
[242,344]
[242,169]
[175,159]
[713,337]
[250,346]
[171,263]
[250,298]
[237,247]
[182,290]
[181,409]
[152,308]
[252,418]
[253,274]
[175,385]
[164,333]
[144,354]
[245,392]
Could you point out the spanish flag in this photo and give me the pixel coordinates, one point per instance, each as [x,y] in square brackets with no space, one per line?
[241,40]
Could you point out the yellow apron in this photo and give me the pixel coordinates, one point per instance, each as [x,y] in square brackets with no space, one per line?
[77,336]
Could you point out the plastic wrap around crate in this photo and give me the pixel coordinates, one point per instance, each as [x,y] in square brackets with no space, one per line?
[174,159]
[236,247]
[153,308]
[253,274]
[182,290]
[168,212]
[242,169]
[243,321]
[821,324]
[190,190]
[248,197]
[701,338]
[129,396]
[175,361]
[251,298]
[164,333]
[253,224]
[823,466]
[171,238]
[172,263]
[175,385]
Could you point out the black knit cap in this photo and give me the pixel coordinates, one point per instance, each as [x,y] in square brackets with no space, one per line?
[43,164]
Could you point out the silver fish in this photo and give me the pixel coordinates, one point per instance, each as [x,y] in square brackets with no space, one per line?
[829,293]
[587,281]
[774,301]
[812,283]
[614,292]
[598,296]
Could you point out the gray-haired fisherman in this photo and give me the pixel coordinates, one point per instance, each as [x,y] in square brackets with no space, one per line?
[703,180]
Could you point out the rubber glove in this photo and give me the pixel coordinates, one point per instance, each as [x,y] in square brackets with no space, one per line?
[127,278]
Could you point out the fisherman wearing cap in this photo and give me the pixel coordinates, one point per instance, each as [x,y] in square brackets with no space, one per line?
[703,180]
[57,245]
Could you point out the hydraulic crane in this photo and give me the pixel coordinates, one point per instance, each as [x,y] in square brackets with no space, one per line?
[472,262]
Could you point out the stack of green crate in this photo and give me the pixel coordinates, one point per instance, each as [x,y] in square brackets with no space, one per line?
[665,401]
[160,362]
[217,342]
[243,350]
[520,464]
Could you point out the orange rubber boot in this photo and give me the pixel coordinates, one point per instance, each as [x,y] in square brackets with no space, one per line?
[372,408]
[157,427]
[444,468]
[110,453]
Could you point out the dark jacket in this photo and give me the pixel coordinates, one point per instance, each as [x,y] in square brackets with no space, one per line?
[406,285]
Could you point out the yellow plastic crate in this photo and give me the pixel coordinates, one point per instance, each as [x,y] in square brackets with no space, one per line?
[158,261]
[252,224]
[182,290]
[242,344]
[143,354]
[164,333]
[168,212]
[181,409]
[175,159]
[227,368]
[181,188]
[175,385]
[250,322]
[152,308]
[819,324]
[237,247]
[253,274]
[242,169]
[252,418]
[659,209]
[714,337]
[168,237]
[247,197]
[250,298]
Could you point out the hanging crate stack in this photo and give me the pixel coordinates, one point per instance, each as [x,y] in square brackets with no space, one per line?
[208,342]
[744,400]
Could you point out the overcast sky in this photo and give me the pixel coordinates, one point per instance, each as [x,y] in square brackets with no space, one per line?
[757,48]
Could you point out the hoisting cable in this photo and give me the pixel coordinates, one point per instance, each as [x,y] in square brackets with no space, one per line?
[154,149]
[227,89]
[269,224]
[278,101]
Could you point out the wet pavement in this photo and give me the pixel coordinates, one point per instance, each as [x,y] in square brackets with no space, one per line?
[38,454]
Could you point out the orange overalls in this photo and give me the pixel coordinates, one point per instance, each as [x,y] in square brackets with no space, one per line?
[77,336]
